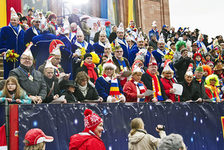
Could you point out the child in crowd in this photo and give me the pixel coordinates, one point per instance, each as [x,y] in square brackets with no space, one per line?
[13,93]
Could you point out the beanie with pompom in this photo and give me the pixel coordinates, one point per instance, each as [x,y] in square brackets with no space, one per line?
[91,120]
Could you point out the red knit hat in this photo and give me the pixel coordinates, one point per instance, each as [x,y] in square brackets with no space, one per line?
[91,120]
[36,136]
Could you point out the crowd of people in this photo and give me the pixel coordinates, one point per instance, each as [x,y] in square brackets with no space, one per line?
[48,62]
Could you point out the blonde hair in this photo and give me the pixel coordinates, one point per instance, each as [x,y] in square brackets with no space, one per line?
[39,146]
[136,123]
[18,91]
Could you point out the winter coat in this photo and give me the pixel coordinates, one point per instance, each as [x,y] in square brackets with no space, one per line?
[167,85]
[86,141]
[199,90]
[103,88]
[37,87]
[23,97]
[56,89]
[10,39]
[84,68]
[112,37]
[147,80]
[30,33]
[181,67]
[69,96]
[130,91]
[91,93]
[141,140]
[187,91]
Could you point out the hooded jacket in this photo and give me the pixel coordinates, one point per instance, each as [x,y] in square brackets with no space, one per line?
[86,141]
[141,140]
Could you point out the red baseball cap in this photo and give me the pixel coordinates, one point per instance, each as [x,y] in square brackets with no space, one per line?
[36,136]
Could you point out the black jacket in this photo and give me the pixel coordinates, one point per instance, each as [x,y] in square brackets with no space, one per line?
[187,91]
[112,37]
[147,80]
[153,44]
[84,68]
[69,97]
[199,90]
[181,66]
[92,94]
[56,89]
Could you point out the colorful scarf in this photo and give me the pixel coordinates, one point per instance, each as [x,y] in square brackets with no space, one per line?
[156,87]
[141,88]
[215,92]
[91,72]
[114,87]
[122,65]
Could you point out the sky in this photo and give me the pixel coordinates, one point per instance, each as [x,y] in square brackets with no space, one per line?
[206,15]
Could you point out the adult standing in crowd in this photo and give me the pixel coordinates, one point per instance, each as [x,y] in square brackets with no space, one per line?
[11,38]
[29,17]
[139,139]
[90,137]
[29,78]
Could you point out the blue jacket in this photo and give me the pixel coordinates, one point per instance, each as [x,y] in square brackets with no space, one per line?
[40,48]
[10,39]
[152,32]
[98,48]
[29,34]
[124,46]
[103,88]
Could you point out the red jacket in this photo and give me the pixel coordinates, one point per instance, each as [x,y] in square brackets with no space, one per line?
[86,141]
[167,85]
[130,91]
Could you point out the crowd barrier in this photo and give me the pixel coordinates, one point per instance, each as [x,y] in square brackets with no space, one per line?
[201,125]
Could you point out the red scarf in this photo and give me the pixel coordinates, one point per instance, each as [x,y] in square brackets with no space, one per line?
[156,85]
[91,72]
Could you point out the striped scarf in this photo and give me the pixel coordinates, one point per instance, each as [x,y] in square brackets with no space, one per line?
[156,87]
[114,87]
[122,65]
[141,88]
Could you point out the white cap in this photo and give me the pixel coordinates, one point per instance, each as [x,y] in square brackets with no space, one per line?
[79,31]
[136,69]
[103,32]
[48,63]
[66,27]
[120,28]
[54,47]
[167,66]
[110,64]
[140,37]
[27,51]
[161,39]
[13,13]
[43,25]
[189,71]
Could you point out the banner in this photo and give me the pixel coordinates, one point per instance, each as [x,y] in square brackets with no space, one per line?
[130,10]
[199,124]
[104,9]
[3,14]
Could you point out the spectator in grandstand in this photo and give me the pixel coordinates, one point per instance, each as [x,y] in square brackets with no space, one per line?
[41,44]
[108,51]
[52,23]
[197,60]
[207,71]
[100,45]
[134,89]
[36,139]
[187,84]
[85,27]
[168,81]
[13,93]
[154,30]
[194,48]
[172,142]
[152,82]
[211,87]
[208,59]
[85,90]
[199,89]
[100,67]
[182,64]
[139,139]
[153,41]
[121,40]
[29,78]
[122,64]
[29,16]
[33,30]
[113,34]
[218,70]
[53,89]
[89,67]
[90,137]
[108,86]
[165,32]
[11,38]
[23,23]
[177,54]
[69,91]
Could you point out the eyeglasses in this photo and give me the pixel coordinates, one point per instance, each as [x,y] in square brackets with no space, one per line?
[119,51]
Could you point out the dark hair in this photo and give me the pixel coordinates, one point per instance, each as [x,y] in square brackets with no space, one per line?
[30,9]
[22,19]
[87,55]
